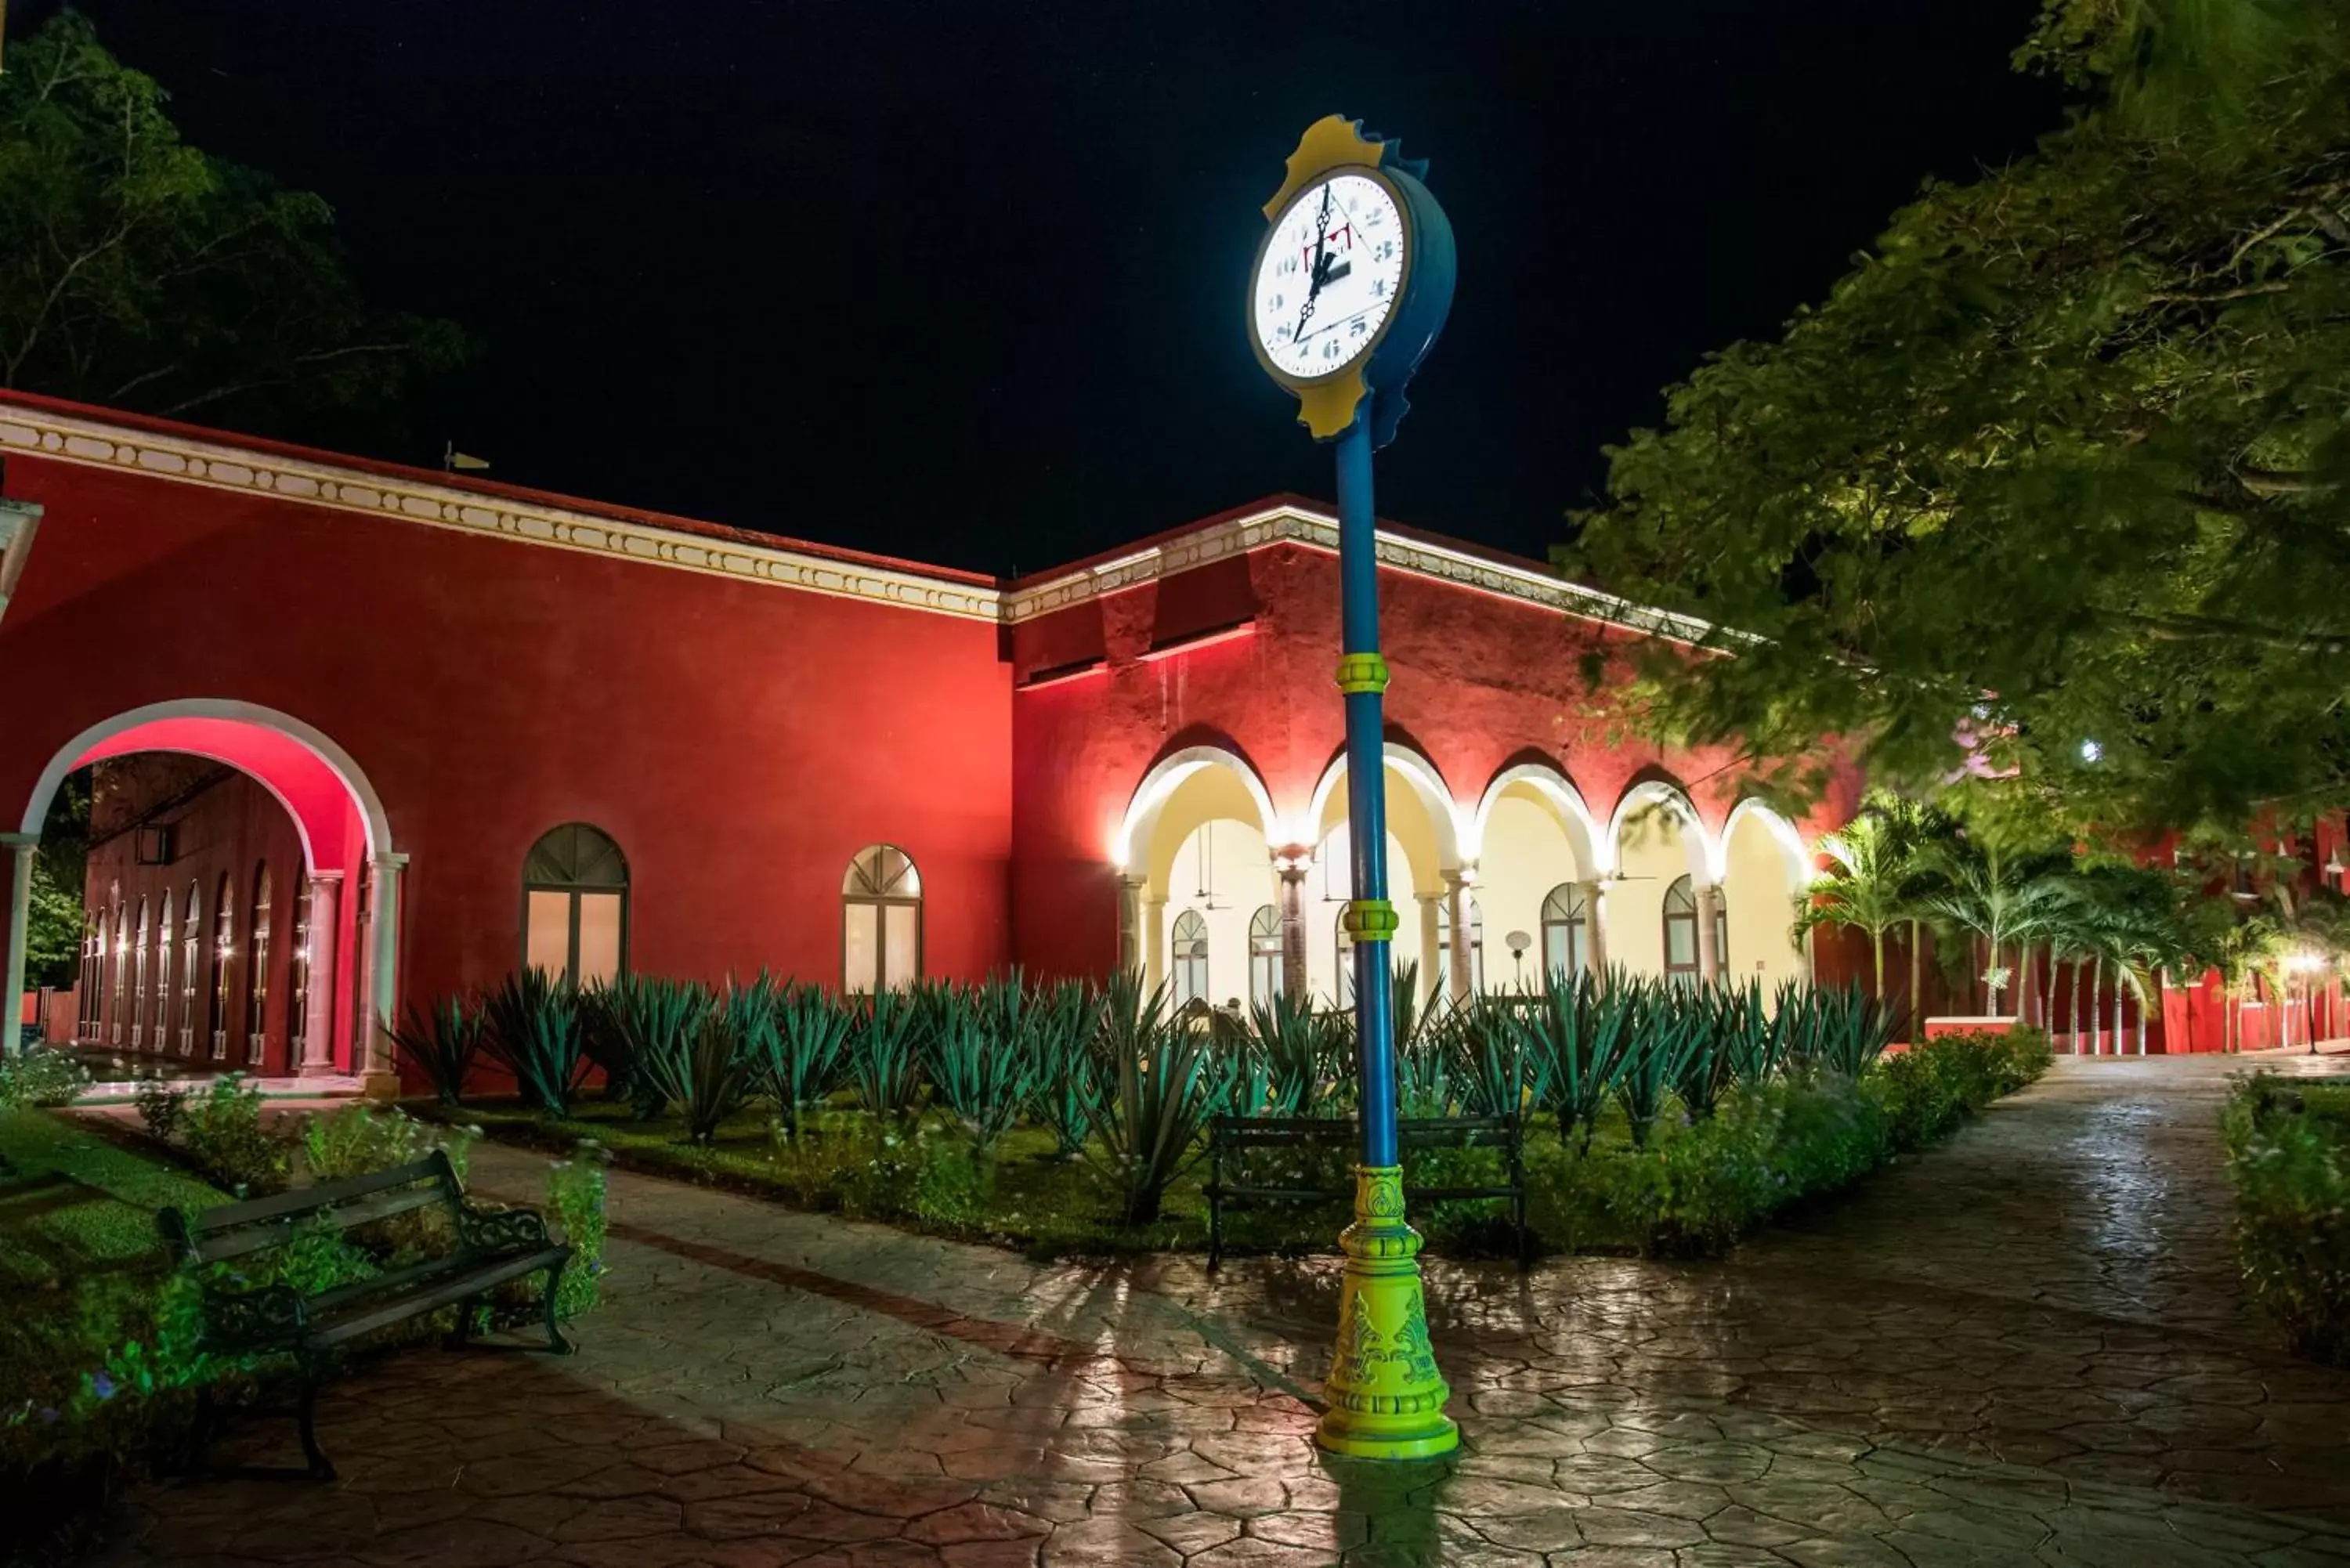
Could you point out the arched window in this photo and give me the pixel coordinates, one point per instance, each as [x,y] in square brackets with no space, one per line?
[139,979]
[298,987]
[1680,930]
[192,959]
[163,975]
[880,920]
[1191,958]
[1566,931]
[575,917]
[224,949]
[1476,943]
[121,969]
[1264,956]
[256,970]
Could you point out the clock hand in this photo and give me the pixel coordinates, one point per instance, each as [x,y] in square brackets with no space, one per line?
[1321,260]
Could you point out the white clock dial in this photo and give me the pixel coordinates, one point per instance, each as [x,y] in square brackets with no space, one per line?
[1328,276]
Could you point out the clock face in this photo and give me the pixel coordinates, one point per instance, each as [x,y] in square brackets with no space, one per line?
[1328,276]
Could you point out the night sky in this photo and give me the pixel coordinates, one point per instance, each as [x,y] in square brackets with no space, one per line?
[963,281]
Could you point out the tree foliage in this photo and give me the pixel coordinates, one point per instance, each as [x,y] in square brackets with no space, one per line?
[2065,460]
[137,271]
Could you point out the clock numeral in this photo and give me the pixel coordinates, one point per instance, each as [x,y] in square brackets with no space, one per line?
[1330,350]
[1383,251]
[1378,288]
[1356,328]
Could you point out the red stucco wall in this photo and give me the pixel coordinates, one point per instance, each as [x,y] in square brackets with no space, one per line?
[740,742]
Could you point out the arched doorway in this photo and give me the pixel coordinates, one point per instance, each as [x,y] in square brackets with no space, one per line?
[333,875]
[1764,869]
[1198,840]
[1661,893]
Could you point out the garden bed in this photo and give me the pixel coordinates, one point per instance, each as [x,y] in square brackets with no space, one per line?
[1694,1187]
[2287,1146]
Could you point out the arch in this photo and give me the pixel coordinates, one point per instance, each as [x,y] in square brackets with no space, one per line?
[1672,798]
[1166,776]
[295,761]
[1784,833]
[1557,793]
[1428,786]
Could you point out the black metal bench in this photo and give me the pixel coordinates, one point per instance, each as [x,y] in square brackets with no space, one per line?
[1235,1135]
[491,1247]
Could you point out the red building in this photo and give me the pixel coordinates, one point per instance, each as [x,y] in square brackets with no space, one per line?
[485,726]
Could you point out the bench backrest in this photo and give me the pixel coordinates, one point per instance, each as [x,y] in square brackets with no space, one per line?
[1411,1132]
[238,1229]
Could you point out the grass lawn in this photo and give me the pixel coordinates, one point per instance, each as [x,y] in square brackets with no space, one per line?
[79,1257]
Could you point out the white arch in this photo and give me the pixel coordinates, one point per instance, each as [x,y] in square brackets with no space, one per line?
[1157,786]
[382,961]
[1703,856]
[1425,781]
[1790,839]
[1563,797]
[314,740]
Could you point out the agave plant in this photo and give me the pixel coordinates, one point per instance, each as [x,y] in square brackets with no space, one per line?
[1057,1037]
[796,1059]
[884,1065]
[1579,1033]
[1846,1032]
[1155,1093]
[637,1027]
[701,1067]
[1489,1055]
[1665,1033]
[973,1055]
[531,1027]
[1298,1055]
[1423,1048]
[440,1042]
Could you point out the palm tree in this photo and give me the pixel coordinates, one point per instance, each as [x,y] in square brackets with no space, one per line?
[1870,889]
[1995,894]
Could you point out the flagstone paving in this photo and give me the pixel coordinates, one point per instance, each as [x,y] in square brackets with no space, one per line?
[2023,1347]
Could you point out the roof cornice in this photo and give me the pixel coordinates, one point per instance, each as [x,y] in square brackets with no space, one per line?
[89,443]
[1317,529]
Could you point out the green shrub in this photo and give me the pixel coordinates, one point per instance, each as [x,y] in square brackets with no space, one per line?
[884,1054]
[2284,1145]
[1290,1060]
[1063,1067]
[41,1077]
[691,1051]
[575,1202]
[531,1026]
[222,1134]
[358,1137]
[1930,1088]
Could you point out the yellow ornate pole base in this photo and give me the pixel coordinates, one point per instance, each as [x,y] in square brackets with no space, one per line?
[1386,1397]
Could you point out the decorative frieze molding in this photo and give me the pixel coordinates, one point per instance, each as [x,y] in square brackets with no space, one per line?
[1319,531]
[67,438]
[188,460]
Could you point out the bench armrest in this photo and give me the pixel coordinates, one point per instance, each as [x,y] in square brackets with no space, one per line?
[499,1230]
[269,1315]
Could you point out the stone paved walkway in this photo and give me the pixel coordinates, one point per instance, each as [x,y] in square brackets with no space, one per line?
[2024,1347]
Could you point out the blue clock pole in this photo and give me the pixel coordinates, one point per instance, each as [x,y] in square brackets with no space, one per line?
[1390,279]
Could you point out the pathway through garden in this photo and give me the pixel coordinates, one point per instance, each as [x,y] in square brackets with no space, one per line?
[2023,1347]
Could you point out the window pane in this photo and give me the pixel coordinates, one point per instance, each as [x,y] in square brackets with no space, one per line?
[547,932]
[902,949]
[861,946]
[599,937]
[1681,942]
[1558,957]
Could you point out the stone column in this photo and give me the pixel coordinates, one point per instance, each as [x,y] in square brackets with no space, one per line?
[21,848]
[1431,932]
[1708,950]
[1129,922]
[1595,924]
[1294,984]
[380,961]
[1154,937]
[325,933]
[1456,900]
